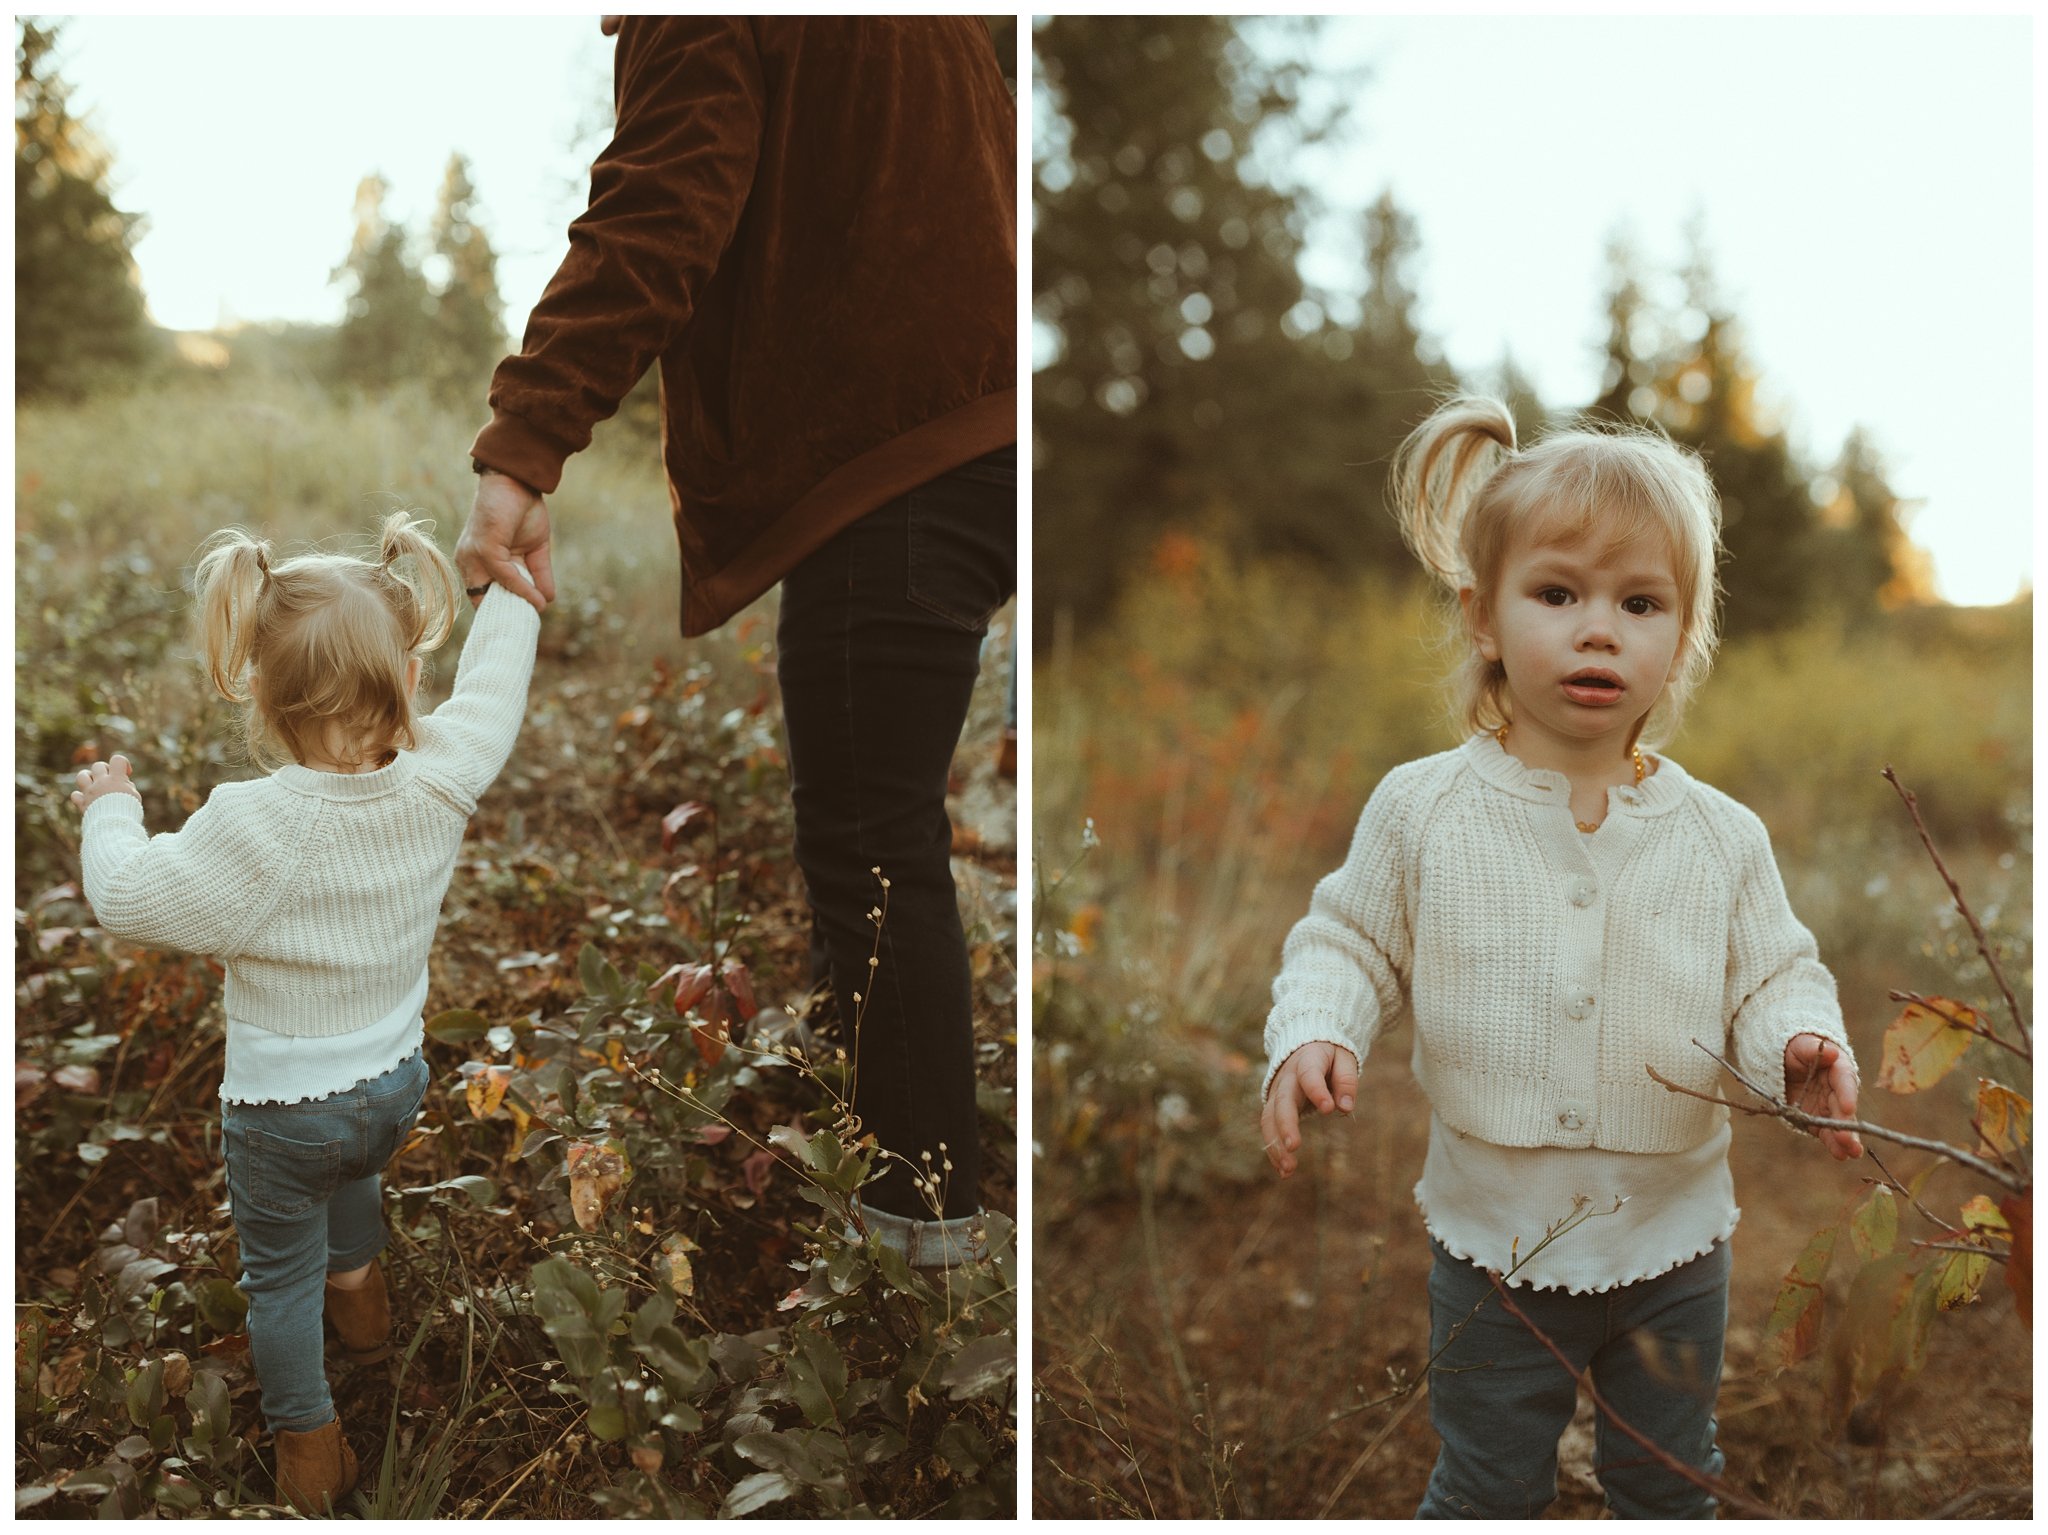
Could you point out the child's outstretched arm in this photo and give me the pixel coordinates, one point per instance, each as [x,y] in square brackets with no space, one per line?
[191,889]
[1323,1074]
[1785,1021]
[471,735]
[1343,972]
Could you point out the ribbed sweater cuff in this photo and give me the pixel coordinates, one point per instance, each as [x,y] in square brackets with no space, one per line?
[1283,1039]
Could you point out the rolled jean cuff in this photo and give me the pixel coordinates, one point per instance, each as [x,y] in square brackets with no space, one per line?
[344,1263]
[929,1244]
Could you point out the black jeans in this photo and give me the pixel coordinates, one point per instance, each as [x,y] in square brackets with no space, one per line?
[880,643]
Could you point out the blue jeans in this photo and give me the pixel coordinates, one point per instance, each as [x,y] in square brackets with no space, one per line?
[304,1192]
[1499,1399]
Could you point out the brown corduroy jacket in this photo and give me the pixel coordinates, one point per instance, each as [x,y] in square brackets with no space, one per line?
[811,225]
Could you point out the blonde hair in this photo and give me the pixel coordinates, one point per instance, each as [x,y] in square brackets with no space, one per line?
[1462,489]
[318,646]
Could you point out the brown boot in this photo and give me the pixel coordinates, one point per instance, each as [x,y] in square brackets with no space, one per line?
[362,1318]
[316,1469]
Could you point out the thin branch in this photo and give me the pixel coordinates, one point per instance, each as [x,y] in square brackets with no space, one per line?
[1983,943]
[1935,1007]
[1910,1195]
[1735,1497]
[1960,1247]
[1799,1119]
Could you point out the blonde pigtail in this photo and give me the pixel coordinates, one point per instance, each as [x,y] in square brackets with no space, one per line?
[1439,471]
[430,615]
[228,583]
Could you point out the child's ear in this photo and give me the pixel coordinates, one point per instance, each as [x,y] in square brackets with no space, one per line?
[1478,623]
[412,676]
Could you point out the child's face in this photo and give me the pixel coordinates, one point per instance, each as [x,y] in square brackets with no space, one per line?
[1588,636]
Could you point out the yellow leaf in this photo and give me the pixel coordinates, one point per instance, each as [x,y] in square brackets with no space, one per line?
[487,1090]
[675,1251]
[1957,1279]
[2005,1120]
[1983,1218]
[1924,1043]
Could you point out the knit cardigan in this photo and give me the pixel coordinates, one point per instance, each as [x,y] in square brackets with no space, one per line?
[320,892]
[1547,968]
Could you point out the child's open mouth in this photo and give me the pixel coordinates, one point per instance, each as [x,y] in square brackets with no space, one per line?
[1593,687]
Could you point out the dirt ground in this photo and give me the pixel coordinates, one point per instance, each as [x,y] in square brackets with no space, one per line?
[1198,1361]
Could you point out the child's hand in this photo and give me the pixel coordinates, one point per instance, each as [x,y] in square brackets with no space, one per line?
[103,778]
[1323,1074]
[1820,1081]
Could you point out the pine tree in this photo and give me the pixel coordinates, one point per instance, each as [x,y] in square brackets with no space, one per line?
[79,316]
[383,338]
[467,337]
[1162,273]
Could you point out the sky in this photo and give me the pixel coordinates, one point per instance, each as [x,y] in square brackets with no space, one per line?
[1866,189]
[1864,184]
[245,161]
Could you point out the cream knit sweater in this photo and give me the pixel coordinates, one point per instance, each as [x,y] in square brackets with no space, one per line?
[1546,967]
[320,892]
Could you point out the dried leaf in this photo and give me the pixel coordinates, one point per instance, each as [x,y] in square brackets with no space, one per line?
[1924,1044]
[675,1252]
[1794,1325]
[673,823]
[596,1174]
[1983,1218]
[487,1090]
[2018,1210]
[2005,1120]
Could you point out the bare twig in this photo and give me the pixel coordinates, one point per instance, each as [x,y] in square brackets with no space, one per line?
[1735,1497]
[1799,1119]
[1934,1006]
[1976,929]
[1961,1247]
[1911,1197]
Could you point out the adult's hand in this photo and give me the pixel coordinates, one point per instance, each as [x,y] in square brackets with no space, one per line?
[508,523]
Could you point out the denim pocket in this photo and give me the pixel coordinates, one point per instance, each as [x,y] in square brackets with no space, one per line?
[962,531]
[280,1176]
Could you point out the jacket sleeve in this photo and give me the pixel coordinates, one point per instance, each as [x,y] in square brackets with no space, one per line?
[194,889]
[467,740]
[1777,986]
[1345,967]
[665,198]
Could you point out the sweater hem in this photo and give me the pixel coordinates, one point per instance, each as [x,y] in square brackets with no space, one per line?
[848,493]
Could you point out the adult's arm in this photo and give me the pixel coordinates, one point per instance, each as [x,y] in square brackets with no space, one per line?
[665,198]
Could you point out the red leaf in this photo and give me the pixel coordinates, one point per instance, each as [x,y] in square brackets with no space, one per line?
[690,990]
[756,1169]
[2018,1210]
[741,984]
[673,823]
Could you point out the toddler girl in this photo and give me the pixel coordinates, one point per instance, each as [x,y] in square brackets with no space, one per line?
[318,887]
[1561,907]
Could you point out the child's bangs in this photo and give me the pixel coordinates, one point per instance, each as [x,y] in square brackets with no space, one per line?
[1609,505]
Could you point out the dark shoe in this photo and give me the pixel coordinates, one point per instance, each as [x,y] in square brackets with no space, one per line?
[316,1469]
[362,1318]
